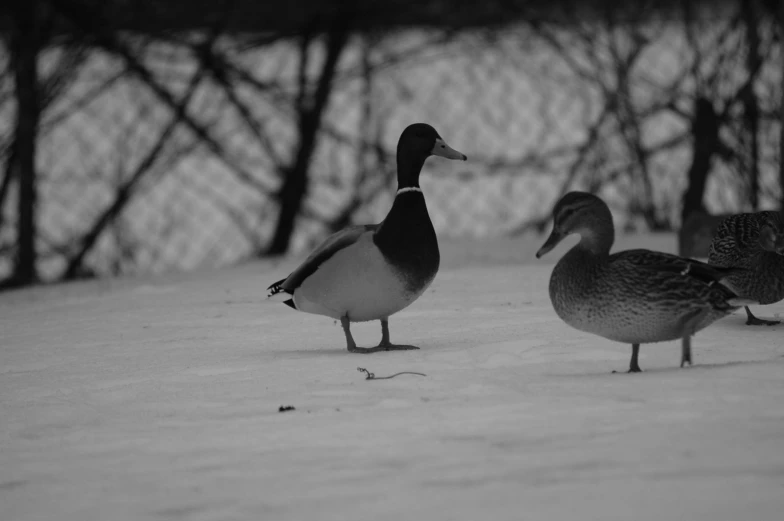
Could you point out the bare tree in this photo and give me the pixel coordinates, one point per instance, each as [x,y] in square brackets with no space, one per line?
[310,109]
[30,20]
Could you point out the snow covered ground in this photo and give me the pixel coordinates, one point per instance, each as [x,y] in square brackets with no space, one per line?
[157,398]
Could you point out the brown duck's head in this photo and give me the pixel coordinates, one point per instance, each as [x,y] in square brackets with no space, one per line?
[585,214]
[771,237]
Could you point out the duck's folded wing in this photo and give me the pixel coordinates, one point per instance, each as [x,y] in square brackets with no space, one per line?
[331,245]
[668,263]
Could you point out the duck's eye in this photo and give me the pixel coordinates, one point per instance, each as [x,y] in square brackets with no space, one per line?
[567,213]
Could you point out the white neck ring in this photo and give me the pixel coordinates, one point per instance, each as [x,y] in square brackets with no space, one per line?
[409,189]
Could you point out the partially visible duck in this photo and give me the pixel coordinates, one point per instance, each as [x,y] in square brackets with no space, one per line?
[370,272]
[634,296]
[755,242]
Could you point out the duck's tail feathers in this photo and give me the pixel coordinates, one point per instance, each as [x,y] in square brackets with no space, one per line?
[276,293]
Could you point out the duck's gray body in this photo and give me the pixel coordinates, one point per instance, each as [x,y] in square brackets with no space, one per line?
[362,273]
[357,283]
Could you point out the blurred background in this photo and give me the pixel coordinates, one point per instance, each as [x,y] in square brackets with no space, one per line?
[139,136]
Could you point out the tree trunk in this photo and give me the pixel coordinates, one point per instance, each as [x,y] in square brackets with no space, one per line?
[295,182]
[705,132]
[781,108]
[25,47]
[697,226]
[750,103]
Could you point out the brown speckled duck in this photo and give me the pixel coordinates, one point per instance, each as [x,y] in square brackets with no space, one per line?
[634,296]
[370,272]
[754,241]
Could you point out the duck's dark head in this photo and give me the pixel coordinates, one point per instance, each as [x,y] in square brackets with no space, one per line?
[586,215]
[418,142]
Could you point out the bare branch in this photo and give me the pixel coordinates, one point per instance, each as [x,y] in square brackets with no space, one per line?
[582,151]
[80,103]
[216,66]
[126,189]
[87,22]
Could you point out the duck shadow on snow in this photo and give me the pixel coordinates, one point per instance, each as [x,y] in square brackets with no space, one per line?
[333,352]
[675,369]
[314,352]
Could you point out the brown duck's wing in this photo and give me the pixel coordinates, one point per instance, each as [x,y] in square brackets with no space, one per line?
[683,283]
[331,245]
[669,263]
[737,238]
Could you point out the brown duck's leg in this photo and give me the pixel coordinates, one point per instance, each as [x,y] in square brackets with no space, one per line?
[754,321]
[634,366]
[686,351]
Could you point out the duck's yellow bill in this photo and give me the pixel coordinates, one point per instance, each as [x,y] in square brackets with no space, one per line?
[444,150]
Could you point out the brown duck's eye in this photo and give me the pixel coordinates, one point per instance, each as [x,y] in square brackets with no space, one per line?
[566,213]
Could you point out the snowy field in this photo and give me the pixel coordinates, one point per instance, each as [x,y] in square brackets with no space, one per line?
[157,398]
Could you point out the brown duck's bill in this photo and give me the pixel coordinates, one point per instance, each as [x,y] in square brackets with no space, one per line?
[551,242]
[444,150]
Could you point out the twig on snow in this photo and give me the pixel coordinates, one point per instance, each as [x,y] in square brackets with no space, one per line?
[372,376]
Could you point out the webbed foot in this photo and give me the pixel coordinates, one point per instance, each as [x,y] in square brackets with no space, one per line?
[751,320]
[381,347]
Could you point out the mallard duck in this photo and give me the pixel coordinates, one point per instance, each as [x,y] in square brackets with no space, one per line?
[754,241]
[634,296]
[370,272]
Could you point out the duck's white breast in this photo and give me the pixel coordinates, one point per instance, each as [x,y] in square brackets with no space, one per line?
[357,282]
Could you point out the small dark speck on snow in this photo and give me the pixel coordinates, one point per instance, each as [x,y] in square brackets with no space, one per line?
[11,485]
[284,408]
